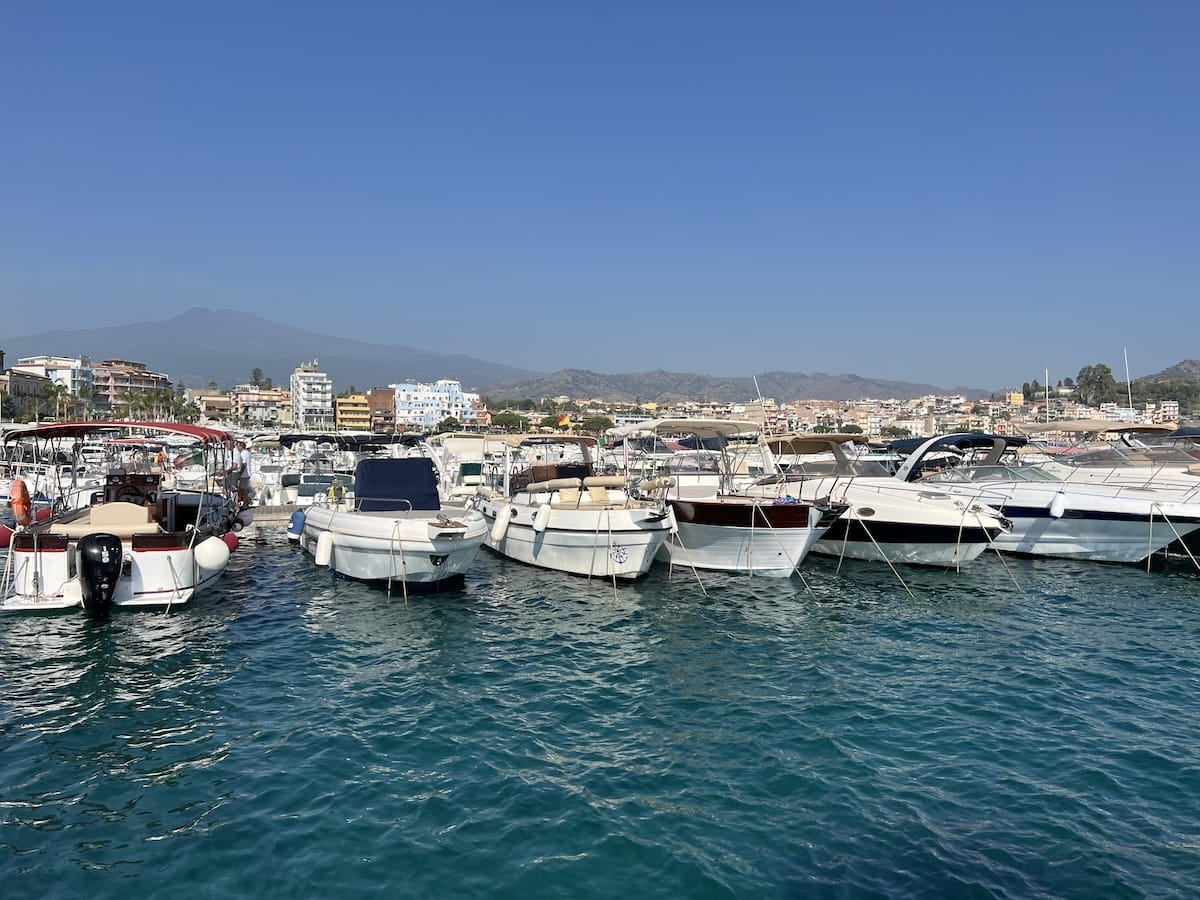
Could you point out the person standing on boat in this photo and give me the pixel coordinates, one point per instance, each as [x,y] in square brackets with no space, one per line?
[245,469]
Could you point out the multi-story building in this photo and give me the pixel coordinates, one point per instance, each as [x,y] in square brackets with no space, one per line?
[352,412]
[382,405]
[124,382]
[423,406]
[72,372]
[312,398]
[22,394]
[258,406]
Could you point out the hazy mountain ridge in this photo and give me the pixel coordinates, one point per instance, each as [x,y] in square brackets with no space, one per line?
[1187,370]
[664,387]
[203,345]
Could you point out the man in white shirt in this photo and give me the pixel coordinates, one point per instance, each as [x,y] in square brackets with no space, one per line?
[243,467]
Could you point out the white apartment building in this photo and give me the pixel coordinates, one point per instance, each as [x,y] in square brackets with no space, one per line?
[72,372]
[312,398]
[421,407]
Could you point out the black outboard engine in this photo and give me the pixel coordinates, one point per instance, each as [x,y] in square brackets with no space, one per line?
[99,559]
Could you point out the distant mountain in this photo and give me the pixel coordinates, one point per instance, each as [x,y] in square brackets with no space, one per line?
[1188,370]
[203,345]
[664,387]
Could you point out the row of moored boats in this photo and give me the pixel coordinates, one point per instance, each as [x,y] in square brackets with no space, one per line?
[156,522]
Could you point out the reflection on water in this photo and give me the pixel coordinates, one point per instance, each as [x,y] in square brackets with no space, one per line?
[1016,728]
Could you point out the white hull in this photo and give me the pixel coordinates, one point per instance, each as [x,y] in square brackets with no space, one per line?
[946,554]
[48,580]
[417,548]
[599,542]
[1097,540]
[772,542]
[891,521]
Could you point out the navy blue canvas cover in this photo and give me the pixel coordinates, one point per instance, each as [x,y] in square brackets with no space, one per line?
[393,484]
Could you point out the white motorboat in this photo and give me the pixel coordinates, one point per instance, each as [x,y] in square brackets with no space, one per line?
[1050,516]
[885,519]
[717,526]
[569,519]
[137,543]
[397,532]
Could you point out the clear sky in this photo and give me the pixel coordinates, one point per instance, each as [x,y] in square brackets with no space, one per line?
[957,193]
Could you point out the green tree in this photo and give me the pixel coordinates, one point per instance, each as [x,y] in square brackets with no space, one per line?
[448,424]
[596,424]
[508,421]
[1096,385]
[256,377]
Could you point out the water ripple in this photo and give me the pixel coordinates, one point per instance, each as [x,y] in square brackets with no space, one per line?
[1019,729]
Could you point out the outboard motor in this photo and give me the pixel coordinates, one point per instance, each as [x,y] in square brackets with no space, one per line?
[99,558]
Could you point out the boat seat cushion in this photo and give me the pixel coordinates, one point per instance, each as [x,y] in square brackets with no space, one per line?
[119,518]
[121,513]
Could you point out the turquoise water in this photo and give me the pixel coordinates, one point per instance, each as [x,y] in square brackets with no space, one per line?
[1020,729]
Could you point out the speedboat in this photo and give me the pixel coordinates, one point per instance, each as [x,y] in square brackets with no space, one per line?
[137,542]
[718,526]
[885,519]
[396,532]
[570,519]
[1050,516]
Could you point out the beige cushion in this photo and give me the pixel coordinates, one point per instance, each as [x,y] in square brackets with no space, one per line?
[120,513]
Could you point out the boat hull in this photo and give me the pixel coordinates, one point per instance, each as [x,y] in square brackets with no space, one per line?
[905,542]
[766,539]
[617,543]
[397,548]
[45,574]
[1094,536]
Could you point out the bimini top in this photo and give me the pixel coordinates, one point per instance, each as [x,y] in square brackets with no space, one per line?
[56,430]
[395,485]
[702,428]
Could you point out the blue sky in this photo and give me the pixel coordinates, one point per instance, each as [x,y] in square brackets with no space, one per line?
[952,193]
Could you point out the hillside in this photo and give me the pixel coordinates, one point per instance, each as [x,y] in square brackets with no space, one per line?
[662,387]
[1187,370]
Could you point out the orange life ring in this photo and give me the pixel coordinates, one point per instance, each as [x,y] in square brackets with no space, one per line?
[18,499]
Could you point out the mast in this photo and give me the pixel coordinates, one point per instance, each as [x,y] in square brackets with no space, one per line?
[1128,383]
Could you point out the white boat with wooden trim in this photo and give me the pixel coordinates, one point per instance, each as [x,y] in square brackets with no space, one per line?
[718,526]
[551,510]
[137,543]
[396,533]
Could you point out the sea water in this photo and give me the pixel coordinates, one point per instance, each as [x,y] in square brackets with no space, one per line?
[1017,729]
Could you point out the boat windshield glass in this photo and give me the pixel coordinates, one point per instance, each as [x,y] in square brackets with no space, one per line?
[975,474]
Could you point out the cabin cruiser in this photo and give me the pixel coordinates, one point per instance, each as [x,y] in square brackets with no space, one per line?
[1050,515]
[885,519]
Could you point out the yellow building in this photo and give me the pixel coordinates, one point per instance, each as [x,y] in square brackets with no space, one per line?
[352,413]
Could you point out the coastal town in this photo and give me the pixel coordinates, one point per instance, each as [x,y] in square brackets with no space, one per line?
[59,388]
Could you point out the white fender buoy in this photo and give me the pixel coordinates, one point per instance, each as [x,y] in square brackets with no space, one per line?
[212,554]
[541,518]
[500,526]
[323,555]
[1058,505]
